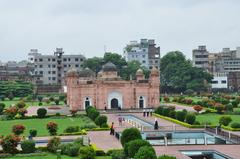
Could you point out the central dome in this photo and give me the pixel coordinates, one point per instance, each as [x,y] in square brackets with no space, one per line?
[109,67]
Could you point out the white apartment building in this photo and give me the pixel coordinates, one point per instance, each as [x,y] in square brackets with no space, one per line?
[51,69]
[145,52]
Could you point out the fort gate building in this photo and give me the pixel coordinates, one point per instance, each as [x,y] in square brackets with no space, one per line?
[108,90]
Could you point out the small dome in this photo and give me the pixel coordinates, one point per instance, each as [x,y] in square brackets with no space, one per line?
[139,72]
[154,71]
[72,72]
[86,73]
[109,67]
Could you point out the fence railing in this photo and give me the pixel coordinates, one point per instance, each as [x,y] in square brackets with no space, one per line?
[224,134]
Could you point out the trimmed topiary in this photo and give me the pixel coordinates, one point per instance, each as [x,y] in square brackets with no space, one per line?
[87,152]
[33,132]
[129,135]
[132,147]
[190,118]
[145,152]
[180,115]
[225,120]
[28,146]
[235,125]
[41,112]
[100,120]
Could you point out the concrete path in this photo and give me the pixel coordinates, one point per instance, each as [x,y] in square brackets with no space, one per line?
[64,110]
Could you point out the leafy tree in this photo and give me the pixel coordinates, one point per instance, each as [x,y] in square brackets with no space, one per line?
[132,147]
[115,58]
[129,135]
[225,120]
[145,152]
[94,63]
[178,75]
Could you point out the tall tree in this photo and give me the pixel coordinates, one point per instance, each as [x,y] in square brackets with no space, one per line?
[178,75]
[94,63]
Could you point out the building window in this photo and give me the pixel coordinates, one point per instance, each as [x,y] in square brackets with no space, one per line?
[40,60]
[49,78]
[214,82]
[49,59]
[41,72]
[49,66]
[223,81]
[49,72]
[53,66]
[76,65]
[81,59]
[54,78]
[69,65]
[36,72]
[69,59]
[35,66]
[40,66]
[156,61]
[53,60]
[65,59]
[76,59]
[143,61]
[150,67]
[65,66]
[35,60]
[143,56]
[53,72]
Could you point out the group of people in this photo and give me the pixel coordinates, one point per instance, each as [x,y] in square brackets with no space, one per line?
[147,112]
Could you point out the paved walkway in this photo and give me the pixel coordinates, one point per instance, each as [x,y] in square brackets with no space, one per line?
[64,110]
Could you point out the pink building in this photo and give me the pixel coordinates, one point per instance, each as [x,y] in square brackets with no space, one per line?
[110,91]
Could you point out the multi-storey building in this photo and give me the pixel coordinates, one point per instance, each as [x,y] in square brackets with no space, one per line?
[200,57]
[145,52]
[51,69]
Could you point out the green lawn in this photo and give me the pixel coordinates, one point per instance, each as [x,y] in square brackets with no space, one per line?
[40,124]
[53,156]
[214,118]
[29,103]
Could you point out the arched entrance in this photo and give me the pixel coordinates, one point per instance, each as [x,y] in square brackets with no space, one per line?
[87,102]
[114,103]
[115,100]
[141,102]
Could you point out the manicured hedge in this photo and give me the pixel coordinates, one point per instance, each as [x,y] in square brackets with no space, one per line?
[178,122]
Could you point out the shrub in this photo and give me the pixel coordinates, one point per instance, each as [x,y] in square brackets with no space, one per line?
[190,118]
[53,144]
[51,99]
[22,111]
[100,120]
[166,157]
[166,99]
[2,106]
[198,108]
[166,111]
[225,120]
[10,96]
[235,125]
[93,114]
[132,147]
[40,98]
[73,112]
[72,129]
[129,135]
[41,112]
[159,110]
[78,141]
[56,101]
[21,104]
[117,154]
[88,126]
[235,103]
[180,115]
[172,114]
[73,150]
[104,125]
[9,144]
[219,107]
[189,92]
[18,129]
[33,132]
[229,107]
[52,128]
[11,112]
[40,104]
[28,146]
[146,152]
[87,152]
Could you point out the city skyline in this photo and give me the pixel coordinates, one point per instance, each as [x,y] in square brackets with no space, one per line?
[89,27]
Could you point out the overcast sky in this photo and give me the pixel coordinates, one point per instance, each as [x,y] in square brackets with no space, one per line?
[86,26]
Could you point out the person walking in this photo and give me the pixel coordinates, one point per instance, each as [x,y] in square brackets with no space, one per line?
[144,113]
[120,121]
[151,111]
[147,113]
[112,129]
[156,124]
